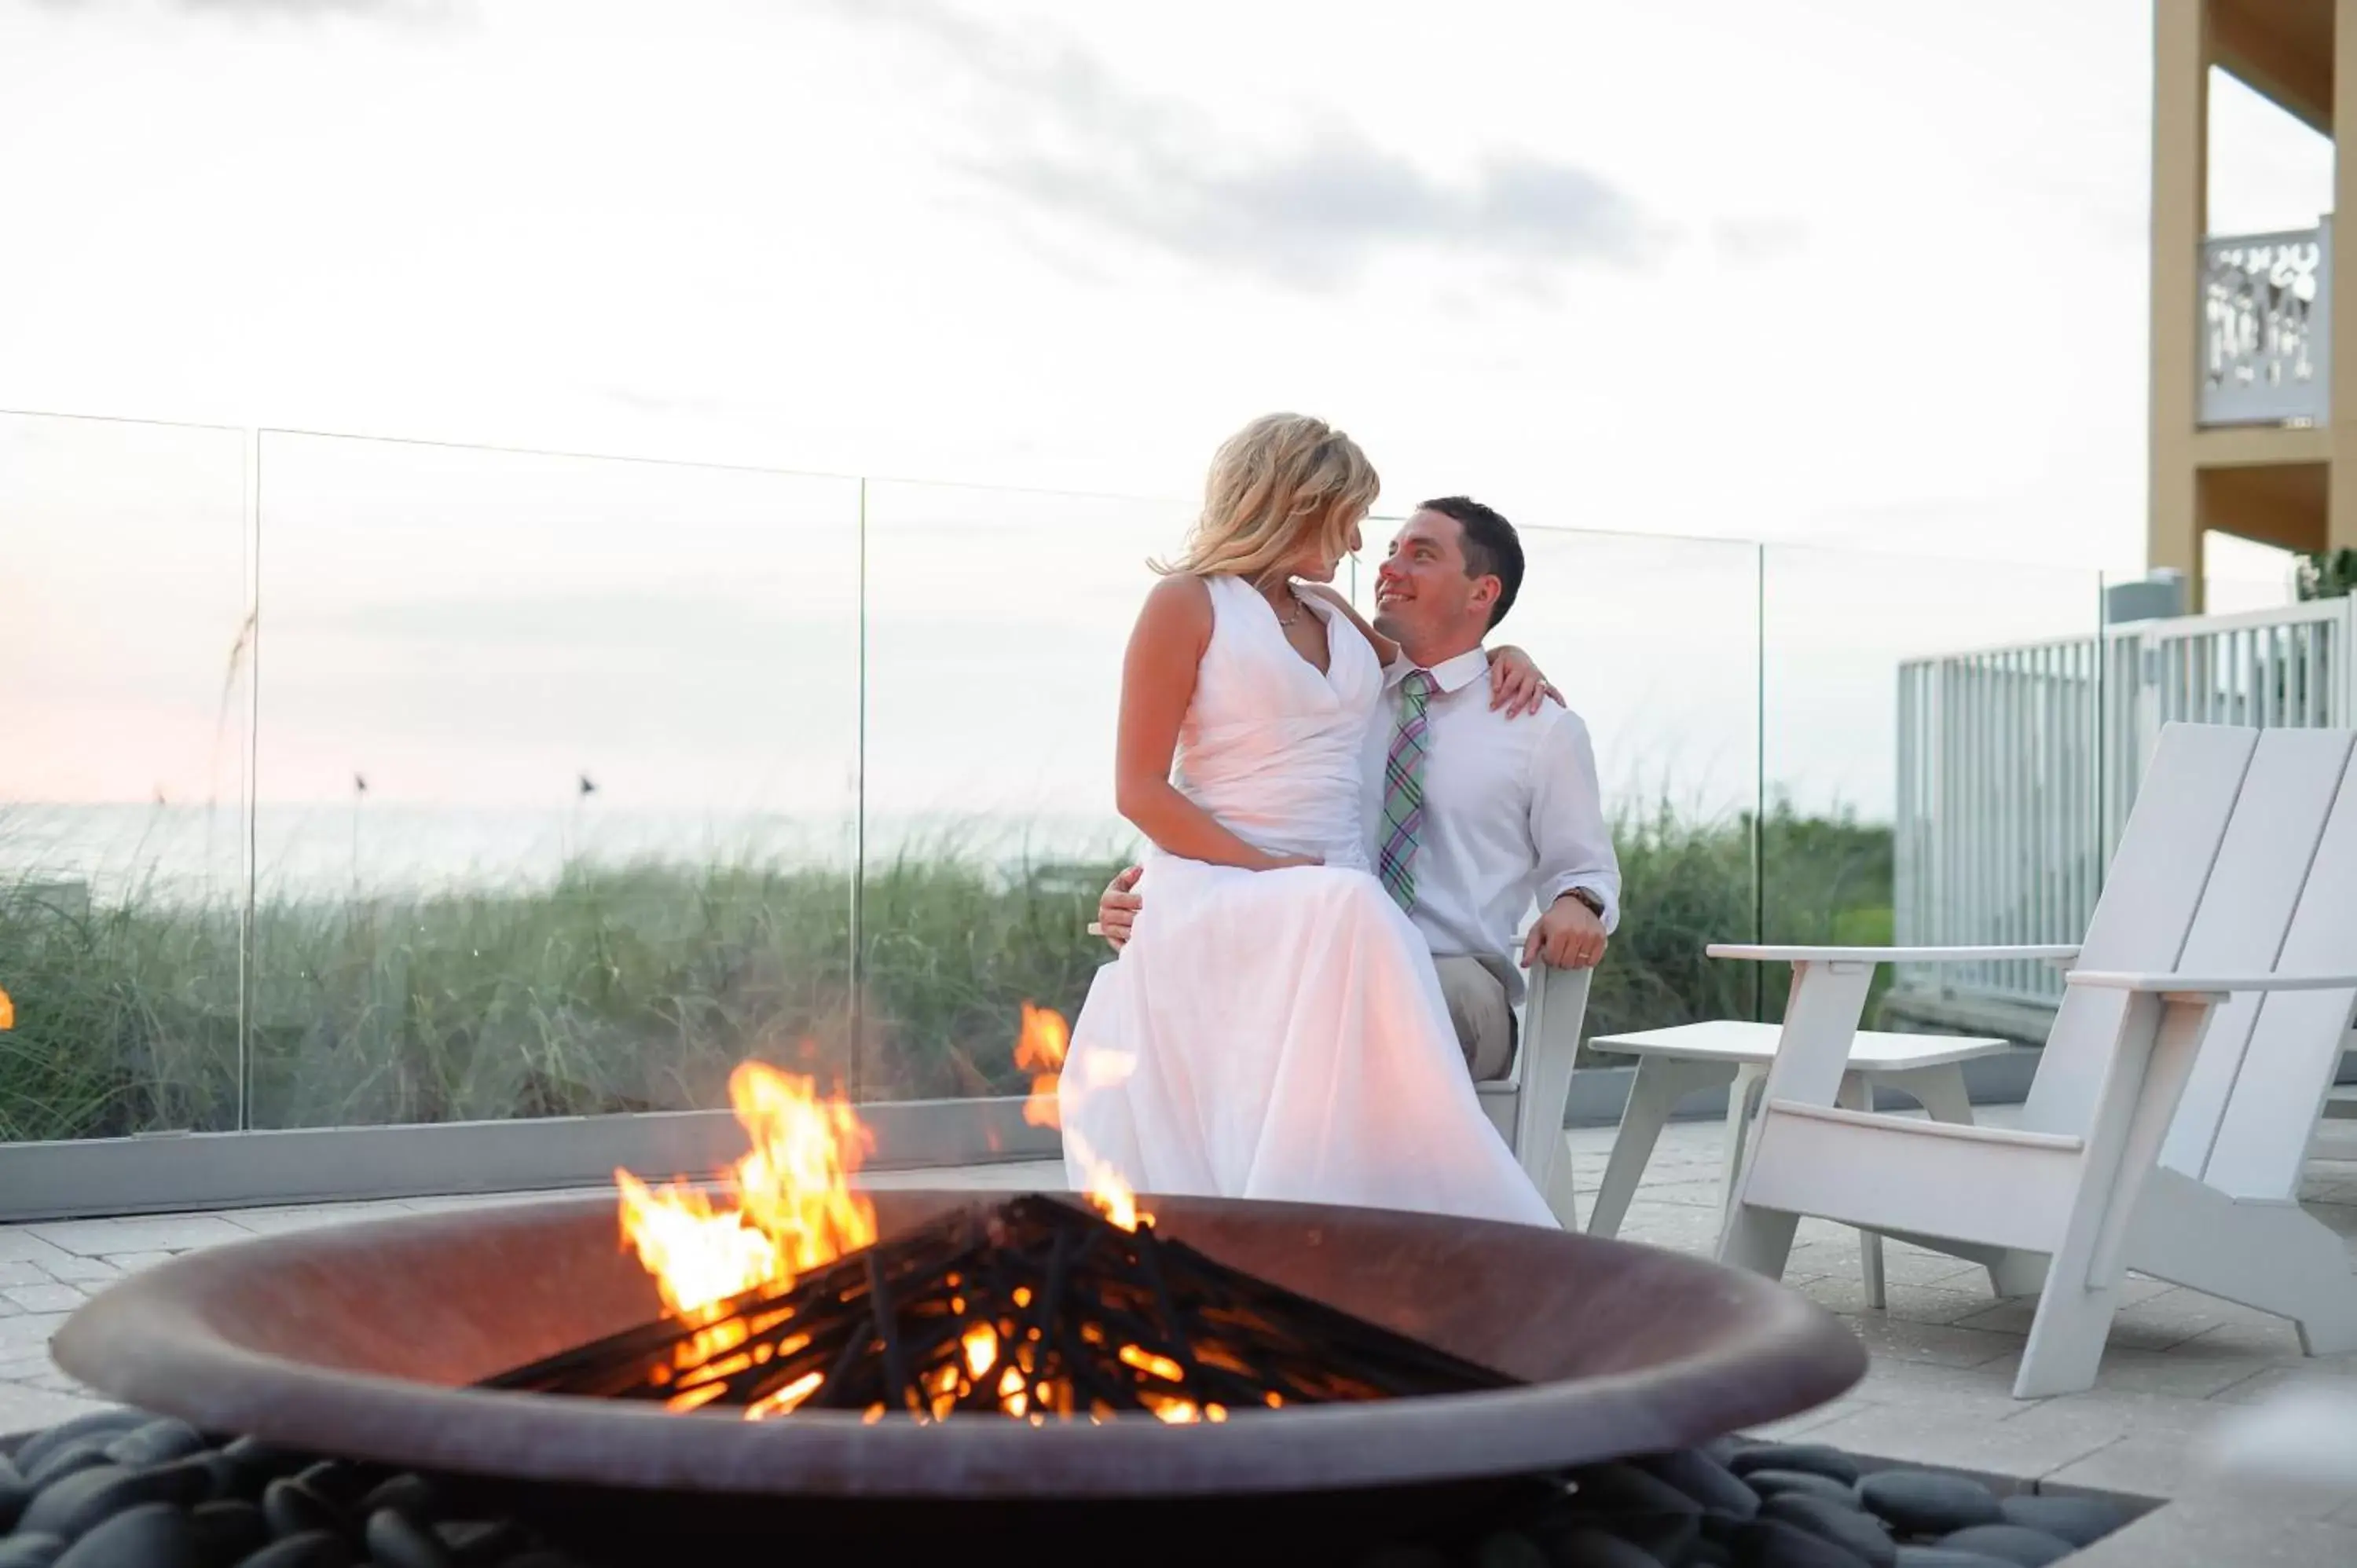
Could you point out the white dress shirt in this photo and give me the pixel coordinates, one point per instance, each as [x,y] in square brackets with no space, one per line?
[1512,815]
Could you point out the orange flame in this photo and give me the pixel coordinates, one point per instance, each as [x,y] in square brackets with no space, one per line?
[8,1012]
[786,1207]
[1111,1194]
[789,1207]
[981,1348]
[1039,1050]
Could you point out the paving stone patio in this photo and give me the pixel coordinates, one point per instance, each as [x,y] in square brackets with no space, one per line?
[1943,1352]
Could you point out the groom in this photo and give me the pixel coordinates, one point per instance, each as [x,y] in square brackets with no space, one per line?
[1472,817]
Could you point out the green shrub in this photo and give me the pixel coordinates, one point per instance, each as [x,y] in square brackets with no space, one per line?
[2326,574]
[638,988]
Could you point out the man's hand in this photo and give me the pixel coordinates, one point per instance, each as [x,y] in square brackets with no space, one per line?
[1118,909]
[1570,935]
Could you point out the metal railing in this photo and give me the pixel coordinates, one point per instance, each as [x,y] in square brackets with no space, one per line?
[2018,767]
[2267,327]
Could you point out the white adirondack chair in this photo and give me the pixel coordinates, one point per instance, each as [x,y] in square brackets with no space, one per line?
[1527,1105]
[2188,1062]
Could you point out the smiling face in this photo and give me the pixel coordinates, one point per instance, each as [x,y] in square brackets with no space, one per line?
[1427,599]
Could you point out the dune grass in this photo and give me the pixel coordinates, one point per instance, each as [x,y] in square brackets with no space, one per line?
[639,987]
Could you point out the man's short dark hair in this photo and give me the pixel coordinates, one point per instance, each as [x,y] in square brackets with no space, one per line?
[1492,547]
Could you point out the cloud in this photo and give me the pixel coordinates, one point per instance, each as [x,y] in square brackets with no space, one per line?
[1749,241]
[1065,135]
[1313,215]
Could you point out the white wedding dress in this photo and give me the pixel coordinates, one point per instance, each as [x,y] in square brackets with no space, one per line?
[1281,1033]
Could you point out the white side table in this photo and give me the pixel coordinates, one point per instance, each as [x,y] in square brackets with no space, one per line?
[1688,1059]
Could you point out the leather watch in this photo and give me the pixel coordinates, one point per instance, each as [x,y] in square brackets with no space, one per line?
[1595,904]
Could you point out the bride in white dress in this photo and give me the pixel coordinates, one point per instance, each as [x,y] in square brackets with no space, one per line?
[1275,1028]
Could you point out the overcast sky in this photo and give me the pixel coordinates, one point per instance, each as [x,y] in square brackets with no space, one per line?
[1839,269]
[1844,271]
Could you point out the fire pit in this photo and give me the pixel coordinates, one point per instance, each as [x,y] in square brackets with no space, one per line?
[800,1361]
[362,1342]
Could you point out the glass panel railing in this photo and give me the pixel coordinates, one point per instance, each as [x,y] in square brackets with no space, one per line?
[125,670]
[1935,749]
[577,780]
[556,781]
[995,624]
[1654,642]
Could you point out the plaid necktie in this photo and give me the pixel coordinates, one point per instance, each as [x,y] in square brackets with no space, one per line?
[1404,790]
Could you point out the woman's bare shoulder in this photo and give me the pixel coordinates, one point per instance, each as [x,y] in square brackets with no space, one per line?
[1178,599]
[1177,608]
[1181,587]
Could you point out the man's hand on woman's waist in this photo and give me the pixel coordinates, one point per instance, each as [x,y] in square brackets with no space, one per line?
[1118,909]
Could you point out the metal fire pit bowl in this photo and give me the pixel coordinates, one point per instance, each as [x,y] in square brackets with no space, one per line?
[359,1341]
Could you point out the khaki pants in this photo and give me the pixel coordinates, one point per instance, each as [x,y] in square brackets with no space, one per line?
[1474,990]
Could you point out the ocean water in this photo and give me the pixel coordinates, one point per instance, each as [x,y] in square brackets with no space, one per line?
[180,854]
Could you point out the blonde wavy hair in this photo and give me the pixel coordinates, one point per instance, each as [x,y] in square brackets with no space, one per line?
[1281,483]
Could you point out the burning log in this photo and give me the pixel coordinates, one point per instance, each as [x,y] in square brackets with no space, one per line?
[778,1296]
[1037,1310]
